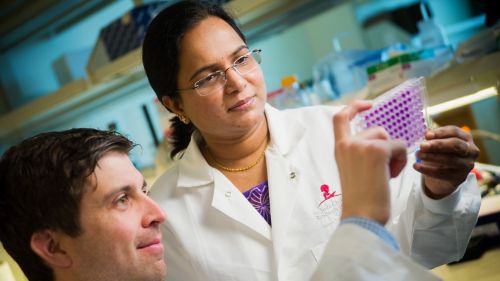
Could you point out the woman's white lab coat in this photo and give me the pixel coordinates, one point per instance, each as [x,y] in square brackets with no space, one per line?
[213,233]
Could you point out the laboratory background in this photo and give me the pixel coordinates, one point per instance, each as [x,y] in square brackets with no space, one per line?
[77,63]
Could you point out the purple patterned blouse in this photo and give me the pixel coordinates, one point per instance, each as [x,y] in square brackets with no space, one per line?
[258,196]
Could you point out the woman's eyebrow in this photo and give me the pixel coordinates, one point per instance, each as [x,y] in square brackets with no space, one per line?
[211,66]
[239,49]
[201,69]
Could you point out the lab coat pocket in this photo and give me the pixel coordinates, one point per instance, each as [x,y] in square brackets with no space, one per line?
[317,251]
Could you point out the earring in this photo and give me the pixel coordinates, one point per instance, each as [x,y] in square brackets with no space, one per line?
[183,119]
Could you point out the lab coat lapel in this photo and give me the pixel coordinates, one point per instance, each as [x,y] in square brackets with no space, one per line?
[194,170]
[282,192]
[230,201]
[286,133]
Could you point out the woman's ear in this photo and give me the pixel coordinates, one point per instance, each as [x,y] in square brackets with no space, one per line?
[46,244]
[173,105]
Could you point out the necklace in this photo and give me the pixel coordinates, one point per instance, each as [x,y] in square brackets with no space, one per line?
[233,170]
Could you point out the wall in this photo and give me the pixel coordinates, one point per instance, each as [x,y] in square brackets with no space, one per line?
[28,73]
[296,50]
[487,116]
[127,114]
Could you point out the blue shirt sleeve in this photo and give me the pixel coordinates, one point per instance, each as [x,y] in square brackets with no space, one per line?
[375,228]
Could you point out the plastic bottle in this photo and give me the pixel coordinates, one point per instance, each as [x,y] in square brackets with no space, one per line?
[292,96]
[431,34]
[341,71]
[324,80]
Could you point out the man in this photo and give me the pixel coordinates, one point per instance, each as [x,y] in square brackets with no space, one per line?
[73,207]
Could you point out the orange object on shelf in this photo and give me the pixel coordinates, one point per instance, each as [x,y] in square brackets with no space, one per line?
[288,81]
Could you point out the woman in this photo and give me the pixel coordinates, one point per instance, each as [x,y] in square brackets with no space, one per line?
[256,194]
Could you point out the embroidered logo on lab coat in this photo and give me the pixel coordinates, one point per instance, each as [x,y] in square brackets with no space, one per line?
[329,209]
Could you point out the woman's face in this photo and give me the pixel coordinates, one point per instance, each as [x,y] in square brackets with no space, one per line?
[232,110]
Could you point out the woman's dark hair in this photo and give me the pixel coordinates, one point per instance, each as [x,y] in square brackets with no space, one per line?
[161,49]
[42,183]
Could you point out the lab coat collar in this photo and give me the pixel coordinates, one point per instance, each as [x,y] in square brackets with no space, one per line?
[194,171]
[285,132]
[193,168]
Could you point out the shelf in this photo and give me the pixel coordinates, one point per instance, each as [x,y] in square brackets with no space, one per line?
[120,77]
[464,79]
[110,82]
[456,81]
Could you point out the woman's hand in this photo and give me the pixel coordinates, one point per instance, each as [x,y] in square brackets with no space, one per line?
[447,155]
[366,161]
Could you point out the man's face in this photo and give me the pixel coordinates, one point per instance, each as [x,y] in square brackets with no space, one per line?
[121,239]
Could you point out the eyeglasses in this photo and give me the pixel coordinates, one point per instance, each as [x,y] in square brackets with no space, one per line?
[217,80]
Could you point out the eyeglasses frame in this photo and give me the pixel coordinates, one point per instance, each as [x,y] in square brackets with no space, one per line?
[233,66]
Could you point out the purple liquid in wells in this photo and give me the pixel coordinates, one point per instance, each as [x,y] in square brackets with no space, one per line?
[401,115]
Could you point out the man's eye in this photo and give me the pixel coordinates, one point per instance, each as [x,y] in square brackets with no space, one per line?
[241,60]
[123,199]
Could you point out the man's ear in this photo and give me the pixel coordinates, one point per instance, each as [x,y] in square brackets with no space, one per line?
[173,105]
[46,244]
